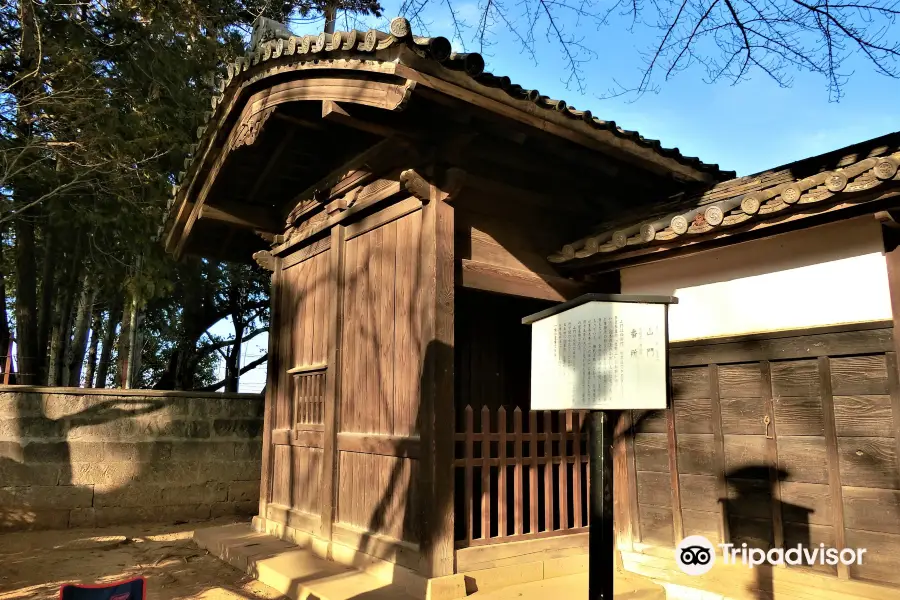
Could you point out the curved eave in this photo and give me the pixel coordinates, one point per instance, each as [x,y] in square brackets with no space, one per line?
[243,109]
[425,62]
[761,208]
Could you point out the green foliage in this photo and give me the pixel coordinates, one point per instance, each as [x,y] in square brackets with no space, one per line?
[92,133]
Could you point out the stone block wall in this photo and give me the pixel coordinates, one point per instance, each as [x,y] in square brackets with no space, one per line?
[83,457]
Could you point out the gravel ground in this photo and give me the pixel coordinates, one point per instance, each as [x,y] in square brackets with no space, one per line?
[33,565]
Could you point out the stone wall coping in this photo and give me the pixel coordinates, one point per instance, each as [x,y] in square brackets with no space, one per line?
[74,391]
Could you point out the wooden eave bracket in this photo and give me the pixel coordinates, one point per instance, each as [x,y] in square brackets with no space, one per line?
[336,113]
[265,260]
[889,218]
[344,178]
[450,184]
[416,185]
[241,216]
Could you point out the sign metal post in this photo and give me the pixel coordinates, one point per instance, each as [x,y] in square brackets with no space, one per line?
[603,353]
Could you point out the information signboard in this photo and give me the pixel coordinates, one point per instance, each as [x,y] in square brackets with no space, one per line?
[600,352]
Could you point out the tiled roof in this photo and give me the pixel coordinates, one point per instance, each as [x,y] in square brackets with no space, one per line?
[807,185]
[360,45]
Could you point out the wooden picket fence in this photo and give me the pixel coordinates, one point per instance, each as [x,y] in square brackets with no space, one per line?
[521,483]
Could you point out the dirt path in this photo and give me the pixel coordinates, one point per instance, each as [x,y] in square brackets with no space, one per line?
[33,565]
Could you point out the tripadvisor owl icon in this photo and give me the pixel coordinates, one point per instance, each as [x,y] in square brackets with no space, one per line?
[695,555]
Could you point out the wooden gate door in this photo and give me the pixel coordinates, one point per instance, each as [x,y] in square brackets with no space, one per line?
[300,333]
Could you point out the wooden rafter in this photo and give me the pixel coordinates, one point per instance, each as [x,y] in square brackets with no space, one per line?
[335,113]
[270,163]
[240,215]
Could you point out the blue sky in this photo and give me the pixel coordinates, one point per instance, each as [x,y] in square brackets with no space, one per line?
[749,127]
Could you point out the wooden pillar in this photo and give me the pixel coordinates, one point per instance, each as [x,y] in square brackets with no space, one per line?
[890,229]
[771,433]
[331,420]
[672,445]
[891,235]
[272,386]
[834,471]
[715,410]
[623,489]
[437,394]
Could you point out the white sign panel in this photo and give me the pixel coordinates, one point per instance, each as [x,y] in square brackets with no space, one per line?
[600,356]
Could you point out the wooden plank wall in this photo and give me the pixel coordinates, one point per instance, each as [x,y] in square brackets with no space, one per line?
[297,436]
[493,351]
[380,391]
[505,251]
[778,441]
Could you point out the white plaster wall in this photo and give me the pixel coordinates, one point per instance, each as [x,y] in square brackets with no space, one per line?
[826,275]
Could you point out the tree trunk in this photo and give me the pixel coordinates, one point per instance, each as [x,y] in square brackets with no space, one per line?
[62,317]
[233,362]
[46,301]
[123,349]
[330,16]
[26,266]
[4,318]
[96,328]
[137,346]
[75,351]
[109,338]
[26,300]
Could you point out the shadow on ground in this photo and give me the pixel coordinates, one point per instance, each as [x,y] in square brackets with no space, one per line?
[35,564]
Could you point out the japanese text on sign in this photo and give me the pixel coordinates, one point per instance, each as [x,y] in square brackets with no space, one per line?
[600,355]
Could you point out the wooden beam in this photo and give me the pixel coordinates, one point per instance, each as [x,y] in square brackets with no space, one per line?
[834,471]
[270,164]
[364,203]
[891,239]
[715,410]
[383,217]
[272,382]
[436,289]
[518,195]
[313,125]
[832,340]
[622,491]
[771,433]
[340,180]
[503,280]
[672,447]
[332,419]
[383,445]
[335,113]
[240,215]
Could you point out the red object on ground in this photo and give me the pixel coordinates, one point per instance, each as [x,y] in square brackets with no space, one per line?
[131,589]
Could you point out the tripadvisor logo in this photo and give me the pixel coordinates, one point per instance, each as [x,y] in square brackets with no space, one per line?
[696,555]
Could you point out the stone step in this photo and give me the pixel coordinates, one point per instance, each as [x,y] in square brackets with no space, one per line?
[290,570]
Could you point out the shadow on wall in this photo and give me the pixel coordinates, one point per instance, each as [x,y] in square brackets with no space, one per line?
[84,460]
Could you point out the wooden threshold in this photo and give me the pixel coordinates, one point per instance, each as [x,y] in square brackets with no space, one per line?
[291,517]
[399,552]
[522,538]
[504,554]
